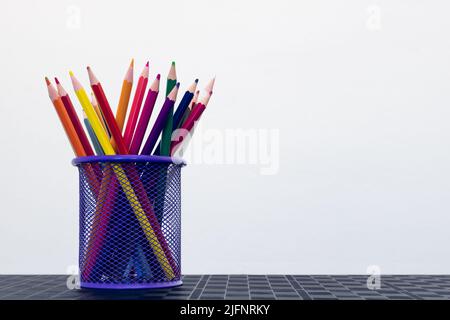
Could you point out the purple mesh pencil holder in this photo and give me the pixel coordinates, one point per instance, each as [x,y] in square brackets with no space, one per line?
[130,221]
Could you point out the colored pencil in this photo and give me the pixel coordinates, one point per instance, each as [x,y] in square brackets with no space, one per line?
[91,170]
[135,106]
[161,250]
[74,118]
[65,120]
[171,79]
[147,110]
[122,149]
[184,104]
[160,121]
[180,111]
[107,113]
[168,127]
[194,99]
[94,120]
[95,143]
[210,85]
[125,96]
[99,113]
[193,117]
[188,109]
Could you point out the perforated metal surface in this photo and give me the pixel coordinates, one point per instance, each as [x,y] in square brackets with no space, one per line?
[129,224]
[241,287]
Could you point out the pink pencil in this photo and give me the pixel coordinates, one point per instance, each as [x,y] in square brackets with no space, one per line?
[147,110]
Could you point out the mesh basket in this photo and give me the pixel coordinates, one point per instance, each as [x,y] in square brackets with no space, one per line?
[130,221]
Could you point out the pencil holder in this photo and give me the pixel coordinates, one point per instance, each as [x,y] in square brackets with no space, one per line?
[130,221]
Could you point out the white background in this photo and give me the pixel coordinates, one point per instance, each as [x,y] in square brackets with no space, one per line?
[363,112]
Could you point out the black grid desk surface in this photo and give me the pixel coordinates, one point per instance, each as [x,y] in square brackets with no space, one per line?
[239,287]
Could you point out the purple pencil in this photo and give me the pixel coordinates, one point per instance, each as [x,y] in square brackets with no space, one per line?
[147,110]
[160,121]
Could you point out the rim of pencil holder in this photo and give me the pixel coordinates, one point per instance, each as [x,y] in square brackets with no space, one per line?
[129,158]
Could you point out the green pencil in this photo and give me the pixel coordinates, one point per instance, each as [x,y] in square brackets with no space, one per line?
[167,131]
[92,135]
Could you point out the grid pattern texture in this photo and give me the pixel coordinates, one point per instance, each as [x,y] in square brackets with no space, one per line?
[241,287]
[129,224]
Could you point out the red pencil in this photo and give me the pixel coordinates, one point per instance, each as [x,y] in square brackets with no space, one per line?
[107,113]
[74,118]
[136,106]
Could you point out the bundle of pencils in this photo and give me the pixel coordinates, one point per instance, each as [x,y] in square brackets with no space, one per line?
[112,135]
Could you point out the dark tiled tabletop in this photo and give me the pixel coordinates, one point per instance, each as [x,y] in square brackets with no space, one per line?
[240,287]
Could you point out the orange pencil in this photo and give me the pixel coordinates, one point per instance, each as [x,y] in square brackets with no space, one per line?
[136,106]
[125,97]
[65,120]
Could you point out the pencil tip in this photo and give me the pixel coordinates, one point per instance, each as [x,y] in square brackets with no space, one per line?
[178,84]
[173,63]
[147,63]
[71,73]
[196,80]
[132,63]
[158,76]
[47,81]
[56,80]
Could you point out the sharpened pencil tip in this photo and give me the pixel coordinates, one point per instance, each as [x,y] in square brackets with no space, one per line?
[173,63]
[147,63]
[47,81]
[132,63]
[196,80]
[158,76]
[71,73]
[56,80]
[178,84]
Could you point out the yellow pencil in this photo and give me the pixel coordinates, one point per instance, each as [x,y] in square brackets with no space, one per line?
[121,177]
[98,112]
